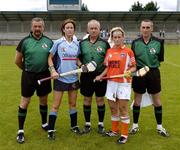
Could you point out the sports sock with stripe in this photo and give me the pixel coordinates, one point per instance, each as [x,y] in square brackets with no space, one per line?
[43,112]
[52,120]
[158,114]
[21,117]
[124,125]
[101,112]
[73,117]
[115,124]
[136,112]
[87,113]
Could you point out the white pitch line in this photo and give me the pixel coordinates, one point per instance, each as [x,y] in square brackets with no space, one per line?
[172,64]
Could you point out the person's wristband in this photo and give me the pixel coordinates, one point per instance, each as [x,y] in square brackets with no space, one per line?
[51,68]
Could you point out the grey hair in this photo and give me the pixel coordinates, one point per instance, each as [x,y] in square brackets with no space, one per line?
[94,21]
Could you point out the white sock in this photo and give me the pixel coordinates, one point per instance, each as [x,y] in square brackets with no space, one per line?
[159,126]
[44,125]
[135,125]
[124,136]
[20,131]
[88,123]
[101,123]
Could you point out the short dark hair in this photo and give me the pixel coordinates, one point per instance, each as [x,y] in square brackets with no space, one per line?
[147,20]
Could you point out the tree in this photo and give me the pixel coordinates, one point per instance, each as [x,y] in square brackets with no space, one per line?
[151,6]
[84,7]
[137,6]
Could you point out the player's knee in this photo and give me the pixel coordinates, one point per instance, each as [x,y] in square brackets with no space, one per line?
[72,105]
[123,110]
[55,108]
[87,101]
[100,101]
[137,103]
[114,110]
[24,102]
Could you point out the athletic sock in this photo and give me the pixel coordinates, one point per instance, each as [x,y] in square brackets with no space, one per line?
[101,112]
[135,125]
[115,124]
[52,120]
[159,126]
[158,114]
[88,123]
[124,126]
[136,112]
[43,112]
[21,117]
[73,117]
[101,124]
[87,113]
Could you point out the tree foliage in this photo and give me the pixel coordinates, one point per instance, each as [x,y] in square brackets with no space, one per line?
[137,6]
[84,7]
[150,6]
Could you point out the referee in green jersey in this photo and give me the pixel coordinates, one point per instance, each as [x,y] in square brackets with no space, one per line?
[93,48]
[32,58]
[149,51]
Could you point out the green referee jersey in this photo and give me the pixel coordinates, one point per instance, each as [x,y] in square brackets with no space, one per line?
[94,52]
[35,53]
[150,54]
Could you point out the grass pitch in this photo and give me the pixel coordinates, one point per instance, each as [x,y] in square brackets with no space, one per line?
[36,138]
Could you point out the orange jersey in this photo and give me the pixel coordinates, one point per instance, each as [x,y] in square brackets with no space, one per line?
[118,61]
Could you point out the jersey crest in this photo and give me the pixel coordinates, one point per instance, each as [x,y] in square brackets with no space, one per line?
[44,46]
[99,49]
[152,51]
[122,55]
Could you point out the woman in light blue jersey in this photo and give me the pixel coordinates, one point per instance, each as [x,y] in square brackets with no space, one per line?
[63,58]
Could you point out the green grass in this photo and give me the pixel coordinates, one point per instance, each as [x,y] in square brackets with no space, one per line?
[36,138]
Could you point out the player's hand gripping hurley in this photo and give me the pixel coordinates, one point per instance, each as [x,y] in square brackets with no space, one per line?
[91,66]
[139,73]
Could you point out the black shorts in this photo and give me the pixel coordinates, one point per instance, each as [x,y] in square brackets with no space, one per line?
[88,86]
[62,86]
[150,82]
[29,84]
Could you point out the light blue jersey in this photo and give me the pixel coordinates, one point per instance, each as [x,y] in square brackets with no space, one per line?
[65,55]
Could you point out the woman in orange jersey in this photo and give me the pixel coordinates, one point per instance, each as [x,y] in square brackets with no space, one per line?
[119,60]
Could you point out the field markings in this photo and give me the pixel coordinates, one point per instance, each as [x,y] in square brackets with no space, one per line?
[172,64]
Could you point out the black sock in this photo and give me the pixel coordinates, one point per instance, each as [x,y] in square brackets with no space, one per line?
[43,112]
[87,113]
[136,112]
[101,112]
[52,120]
[158,114]
[21,117]
[73,116]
